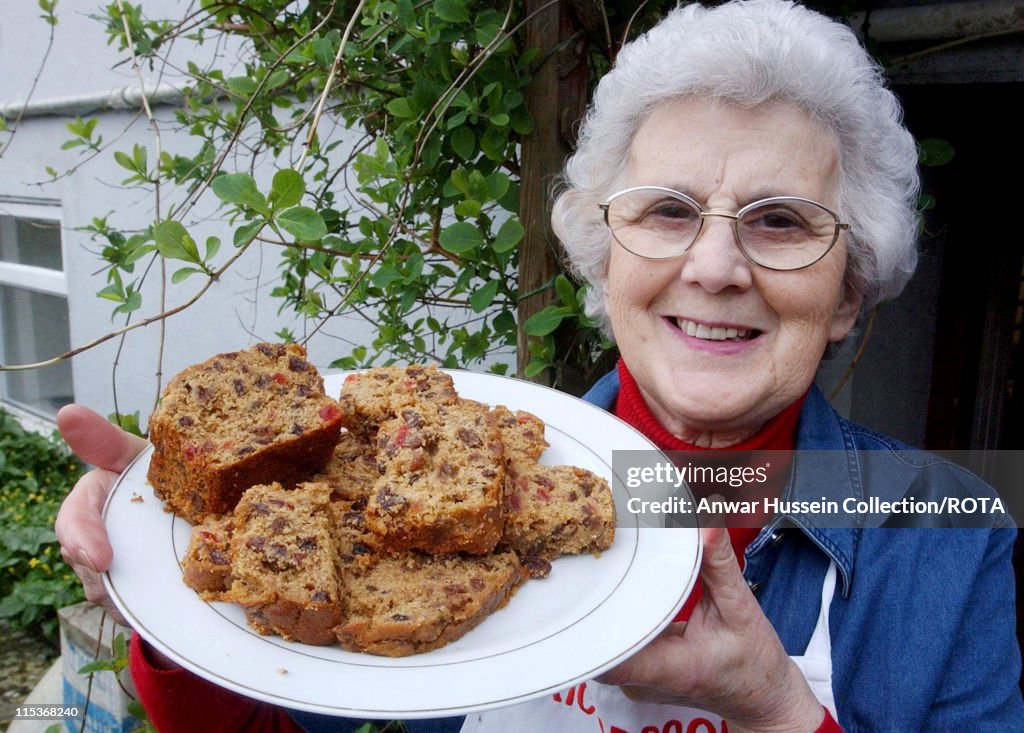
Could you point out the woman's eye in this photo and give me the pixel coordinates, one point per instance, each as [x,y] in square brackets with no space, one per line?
[670,210]
[776,219]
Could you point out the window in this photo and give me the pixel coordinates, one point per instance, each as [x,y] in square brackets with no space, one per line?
[33,307]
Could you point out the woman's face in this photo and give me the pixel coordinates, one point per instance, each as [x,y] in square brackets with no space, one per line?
[703,388]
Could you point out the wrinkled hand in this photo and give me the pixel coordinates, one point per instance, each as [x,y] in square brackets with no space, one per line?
[726,659]
[80,531]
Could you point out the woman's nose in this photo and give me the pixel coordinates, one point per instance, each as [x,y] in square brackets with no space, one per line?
[714,261]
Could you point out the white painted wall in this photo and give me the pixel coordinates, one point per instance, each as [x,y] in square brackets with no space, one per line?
[238,311]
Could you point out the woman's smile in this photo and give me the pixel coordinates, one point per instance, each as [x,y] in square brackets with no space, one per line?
[713,337]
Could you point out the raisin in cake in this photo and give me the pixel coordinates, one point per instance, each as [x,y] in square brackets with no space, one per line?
[206,567]
[411,603]
[441,484]
[239,419]
[284,569]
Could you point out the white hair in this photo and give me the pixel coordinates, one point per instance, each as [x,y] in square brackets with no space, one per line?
[751,53]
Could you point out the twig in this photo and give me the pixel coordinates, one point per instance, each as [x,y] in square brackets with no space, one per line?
[158,145]
[138,324]
[315,122]
[952,44]
[88,687]
[31,91]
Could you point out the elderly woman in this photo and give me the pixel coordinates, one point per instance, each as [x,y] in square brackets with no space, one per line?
[742,190]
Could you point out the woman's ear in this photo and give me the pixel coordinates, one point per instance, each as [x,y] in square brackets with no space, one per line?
[845,315]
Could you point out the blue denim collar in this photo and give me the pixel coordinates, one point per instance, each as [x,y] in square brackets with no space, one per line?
[825,466]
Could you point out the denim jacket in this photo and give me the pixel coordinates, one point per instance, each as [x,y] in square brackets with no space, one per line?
[923,624]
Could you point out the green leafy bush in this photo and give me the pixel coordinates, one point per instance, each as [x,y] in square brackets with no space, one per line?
[36,473]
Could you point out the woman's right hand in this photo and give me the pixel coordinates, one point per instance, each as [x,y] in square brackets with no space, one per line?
[80,530]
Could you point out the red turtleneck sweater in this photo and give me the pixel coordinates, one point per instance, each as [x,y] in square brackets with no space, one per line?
[779,434]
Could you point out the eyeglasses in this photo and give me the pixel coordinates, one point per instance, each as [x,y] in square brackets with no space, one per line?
[779,233]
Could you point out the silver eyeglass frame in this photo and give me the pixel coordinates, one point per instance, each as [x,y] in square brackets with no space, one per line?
[735,216]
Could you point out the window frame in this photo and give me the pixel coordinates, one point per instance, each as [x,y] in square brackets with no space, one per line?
[33,278]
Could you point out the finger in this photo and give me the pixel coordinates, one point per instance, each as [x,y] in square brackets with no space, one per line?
[96,440]
[96,593]
[79,525]
[719,570]
[648,663]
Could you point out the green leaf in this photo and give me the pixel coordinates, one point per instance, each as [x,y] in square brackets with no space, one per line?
[935,152]
[452,11]
[240,189]
[124,160]
[494,142]
[243,86]
[212,247]
[546,321]
[400,108]
[120,647]
[129,423]
[481,300]
[184,273]
[461,237]
[385,275]
[247,232]
[535,367]
[287,189]
[522,121]
[469,208]
[566,292]
[276,79]
[509,235]
[26,539]
[303,223]
[323,52]
[460,181]
[174,242]
[498,184]
[504,322]
[99,665]
[464,142]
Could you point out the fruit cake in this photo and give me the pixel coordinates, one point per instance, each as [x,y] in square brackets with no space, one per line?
[352,540]
[285,573]
[522,433]
[372,397]
[442,479]
[556,510]
[411,603]
[206,567]
[352,468]
[236,420]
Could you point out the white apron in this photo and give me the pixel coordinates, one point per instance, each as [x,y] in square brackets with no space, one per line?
[592,707]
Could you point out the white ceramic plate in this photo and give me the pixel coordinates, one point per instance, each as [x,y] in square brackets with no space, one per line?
[589,614]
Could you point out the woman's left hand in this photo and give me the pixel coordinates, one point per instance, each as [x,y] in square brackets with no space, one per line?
[727,659]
